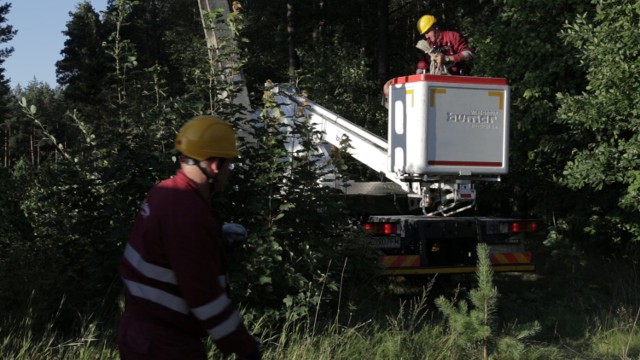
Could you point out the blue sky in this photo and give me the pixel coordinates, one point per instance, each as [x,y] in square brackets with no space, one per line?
[39,40]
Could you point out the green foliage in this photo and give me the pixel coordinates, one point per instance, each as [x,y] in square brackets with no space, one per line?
[80,204]
[121,50]
[474,327]
[81,158]
[522,44]
[302,251]
[80,199]
[605,117]
[336,61]
[226,64]
[83,67]
[75,218]
[6,34]
[337,77]
[22,138]
[15,235]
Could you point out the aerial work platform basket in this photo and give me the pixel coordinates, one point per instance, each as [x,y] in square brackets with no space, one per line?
[448,125]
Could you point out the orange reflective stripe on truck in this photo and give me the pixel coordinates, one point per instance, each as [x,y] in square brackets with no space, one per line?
[400,261]
[511,258]
[457,269]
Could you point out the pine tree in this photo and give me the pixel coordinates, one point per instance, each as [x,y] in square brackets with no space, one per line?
[82,69]
[6,34]
[473,328]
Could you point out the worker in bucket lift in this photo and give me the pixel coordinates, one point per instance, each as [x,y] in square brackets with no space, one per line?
[174,264]
[442,52]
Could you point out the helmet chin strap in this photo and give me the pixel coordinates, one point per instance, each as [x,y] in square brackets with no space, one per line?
[210,178]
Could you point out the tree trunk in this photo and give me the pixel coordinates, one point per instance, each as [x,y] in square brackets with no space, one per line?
[7,135]
[32,147]
[317,31]
[383,41]
[293,57]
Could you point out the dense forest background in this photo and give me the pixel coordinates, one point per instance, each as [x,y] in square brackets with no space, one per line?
[78,158]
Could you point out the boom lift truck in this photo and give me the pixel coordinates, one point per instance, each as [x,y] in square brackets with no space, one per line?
[445,134]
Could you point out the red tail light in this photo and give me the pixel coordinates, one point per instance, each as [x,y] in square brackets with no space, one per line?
[381,228]
[524,226]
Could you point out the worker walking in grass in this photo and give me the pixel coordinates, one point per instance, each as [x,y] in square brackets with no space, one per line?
[174,265]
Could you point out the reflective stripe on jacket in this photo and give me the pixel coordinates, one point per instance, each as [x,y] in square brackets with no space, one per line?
[174,267]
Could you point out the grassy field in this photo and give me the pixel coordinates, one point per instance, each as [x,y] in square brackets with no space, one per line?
[590,311]
[397,338]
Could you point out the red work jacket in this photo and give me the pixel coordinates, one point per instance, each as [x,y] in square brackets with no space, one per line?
[174,267]
[452,44]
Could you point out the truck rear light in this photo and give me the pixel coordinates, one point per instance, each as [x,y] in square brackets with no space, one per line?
[524,226]
[381,228]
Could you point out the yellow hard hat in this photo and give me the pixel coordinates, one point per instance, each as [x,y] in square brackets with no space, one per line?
[205,137]
[425,23]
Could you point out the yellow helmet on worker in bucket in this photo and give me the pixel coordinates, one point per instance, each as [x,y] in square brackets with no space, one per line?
[425,23]
[205,137]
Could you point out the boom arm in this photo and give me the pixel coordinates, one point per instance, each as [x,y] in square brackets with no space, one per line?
[367,148]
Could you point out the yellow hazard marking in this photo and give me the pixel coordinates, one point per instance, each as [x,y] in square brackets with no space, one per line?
[432,95]
[409,92]
[500,96]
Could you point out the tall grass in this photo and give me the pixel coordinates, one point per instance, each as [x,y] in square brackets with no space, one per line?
[414,333]
[411,329]
[28,336]
[90,340]
[403,336]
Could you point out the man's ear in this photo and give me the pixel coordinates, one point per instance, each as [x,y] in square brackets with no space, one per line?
[217,164]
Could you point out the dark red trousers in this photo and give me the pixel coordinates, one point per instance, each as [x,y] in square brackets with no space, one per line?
[138,340]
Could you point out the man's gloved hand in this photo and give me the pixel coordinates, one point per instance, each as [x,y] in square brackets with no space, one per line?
[424,46]
[438,58]
[423,67]
[233,234]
